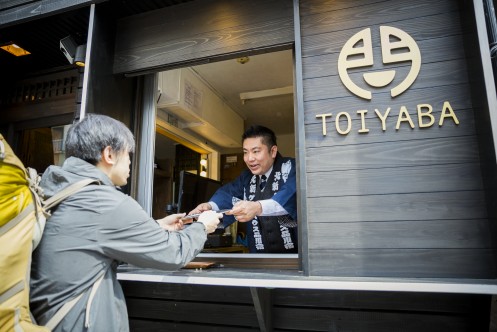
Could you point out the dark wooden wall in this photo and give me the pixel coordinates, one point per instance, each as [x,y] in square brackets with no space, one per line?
[17,11]
[407,202]
[107,94]
[39,96]
[201,31]
[176,307]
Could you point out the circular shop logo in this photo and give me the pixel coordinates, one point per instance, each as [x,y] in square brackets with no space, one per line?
[396,46]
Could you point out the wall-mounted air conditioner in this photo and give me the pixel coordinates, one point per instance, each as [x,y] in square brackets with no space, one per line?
[183,94]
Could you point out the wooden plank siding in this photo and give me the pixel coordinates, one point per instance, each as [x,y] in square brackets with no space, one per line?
[210,30]
[4,4]
[17,11]
[179,307]
[406,202]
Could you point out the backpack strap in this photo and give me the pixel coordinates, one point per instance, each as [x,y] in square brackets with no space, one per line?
[17,219]
[64,310]
[66,192]
[47,205]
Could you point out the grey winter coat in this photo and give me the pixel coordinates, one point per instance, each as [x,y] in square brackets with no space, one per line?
[89,234]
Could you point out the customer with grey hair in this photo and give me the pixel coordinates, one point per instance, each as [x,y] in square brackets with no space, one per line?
[93,230]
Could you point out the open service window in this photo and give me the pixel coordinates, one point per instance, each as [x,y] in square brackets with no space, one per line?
[202,112]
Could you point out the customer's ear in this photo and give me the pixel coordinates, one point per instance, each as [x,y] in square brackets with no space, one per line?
[108,156]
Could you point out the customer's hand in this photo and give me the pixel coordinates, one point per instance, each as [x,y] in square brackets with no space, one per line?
[210,219]
[201,208]
[172,222]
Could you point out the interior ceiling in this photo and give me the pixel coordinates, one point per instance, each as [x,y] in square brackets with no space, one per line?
[262,72]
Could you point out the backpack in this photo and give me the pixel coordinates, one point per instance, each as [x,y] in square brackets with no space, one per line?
[23,213]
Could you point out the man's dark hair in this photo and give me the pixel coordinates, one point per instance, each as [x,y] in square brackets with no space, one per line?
[267,135]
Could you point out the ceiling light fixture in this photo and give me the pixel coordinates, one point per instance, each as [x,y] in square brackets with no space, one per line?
[79,58]
[74,53]
[244,96]
[14,49]
[68,48]
[243,60]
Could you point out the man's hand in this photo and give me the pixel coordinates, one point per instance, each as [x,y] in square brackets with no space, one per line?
[172,223]
[210,219]
[245,210]
[201,208]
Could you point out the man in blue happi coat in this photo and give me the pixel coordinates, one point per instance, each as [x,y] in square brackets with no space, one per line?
[264,195]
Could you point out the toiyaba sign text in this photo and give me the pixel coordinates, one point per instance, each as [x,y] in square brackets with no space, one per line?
[424,117]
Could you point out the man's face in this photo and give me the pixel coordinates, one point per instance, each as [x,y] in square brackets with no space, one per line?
[258,157]
[120,170]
